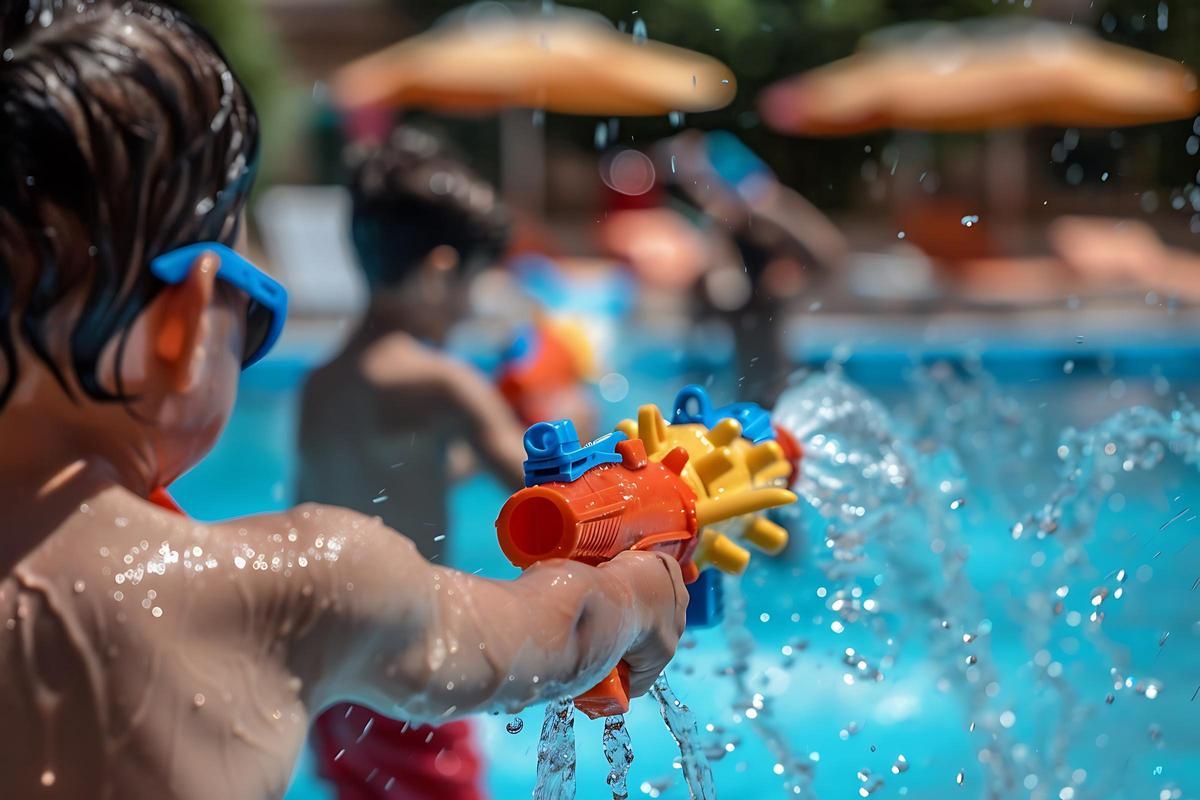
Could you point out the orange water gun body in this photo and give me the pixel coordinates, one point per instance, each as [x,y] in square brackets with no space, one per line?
[547,360]
[590,502]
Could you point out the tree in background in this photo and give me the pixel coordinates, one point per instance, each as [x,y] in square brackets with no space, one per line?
[245,34]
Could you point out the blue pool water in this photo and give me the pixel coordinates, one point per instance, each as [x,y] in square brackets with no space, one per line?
[986,437]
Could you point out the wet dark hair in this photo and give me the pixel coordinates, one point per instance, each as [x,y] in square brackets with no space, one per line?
[123,135]
[412,195]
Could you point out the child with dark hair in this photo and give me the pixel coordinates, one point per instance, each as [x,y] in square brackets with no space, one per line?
[384,413]
[143,653]
[380,420]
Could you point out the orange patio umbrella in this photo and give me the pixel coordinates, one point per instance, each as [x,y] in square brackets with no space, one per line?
[982,75]
[488,57]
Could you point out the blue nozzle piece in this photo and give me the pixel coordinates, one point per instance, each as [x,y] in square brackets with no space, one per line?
[706,600]
[554,453]
[692,405]
[523,345]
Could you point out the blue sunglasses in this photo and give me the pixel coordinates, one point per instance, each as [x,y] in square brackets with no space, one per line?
[268,298]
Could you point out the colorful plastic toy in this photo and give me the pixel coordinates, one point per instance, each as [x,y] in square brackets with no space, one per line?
[605,507]
[692,405]
[722,463]
[547,359]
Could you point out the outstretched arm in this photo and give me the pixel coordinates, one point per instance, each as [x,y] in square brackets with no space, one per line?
[491,427]
[384,627]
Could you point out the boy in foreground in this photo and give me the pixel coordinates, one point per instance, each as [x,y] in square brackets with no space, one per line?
[143,653]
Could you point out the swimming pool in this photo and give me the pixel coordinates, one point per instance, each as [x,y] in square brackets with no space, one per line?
[984,420]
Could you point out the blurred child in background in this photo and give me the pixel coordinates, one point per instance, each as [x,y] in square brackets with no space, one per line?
[378,423]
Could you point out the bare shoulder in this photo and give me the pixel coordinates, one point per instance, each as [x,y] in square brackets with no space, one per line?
[153,564]
[401,360]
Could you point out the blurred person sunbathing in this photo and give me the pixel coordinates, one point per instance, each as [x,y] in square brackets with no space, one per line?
[1110,251]
[145,654]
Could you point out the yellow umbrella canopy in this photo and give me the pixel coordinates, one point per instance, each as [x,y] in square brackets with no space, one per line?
[488,57]
[982,75]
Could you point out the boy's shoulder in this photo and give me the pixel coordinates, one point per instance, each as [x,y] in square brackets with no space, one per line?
[400,360]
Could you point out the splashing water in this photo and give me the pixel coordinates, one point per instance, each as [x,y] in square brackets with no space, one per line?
[1133,440]
[891,553]
[556,753]
[680,721]
[796,774]
[618,750]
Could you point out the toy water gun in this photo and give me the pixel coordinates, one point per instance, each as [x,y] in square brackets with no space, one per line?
[590,502]
[547,358]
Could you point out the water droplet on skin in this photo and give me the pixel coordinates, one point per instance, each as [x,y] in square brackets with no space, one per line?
[48,778]
[198,700]
[79,587]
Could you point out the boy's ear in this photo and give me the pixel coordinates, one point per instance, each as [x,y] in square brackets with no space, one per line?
[180,326]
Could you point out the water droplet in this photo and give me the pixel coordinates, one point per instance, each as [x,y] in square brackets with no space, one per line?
[639,31]
[48,778]
[515,725]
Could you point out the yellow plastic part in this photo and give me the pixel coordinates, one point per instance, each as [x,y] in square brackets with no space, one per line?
[732,478]
[718,550]
[765,535]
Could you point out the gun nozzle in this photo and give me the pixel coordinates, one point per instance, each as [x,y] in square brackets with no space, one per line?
[533,525]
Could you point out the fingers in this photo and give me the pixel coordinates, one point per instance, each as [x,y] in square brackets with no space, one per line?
[640,681]
[659,591]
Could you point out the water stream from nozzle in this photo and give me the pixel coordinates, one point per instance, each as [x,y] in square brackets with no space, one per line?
[681,723]
[556,753]
[618,750]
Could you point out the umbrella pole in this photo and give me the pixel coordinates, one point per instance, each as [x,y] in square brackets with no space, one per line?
[523,159]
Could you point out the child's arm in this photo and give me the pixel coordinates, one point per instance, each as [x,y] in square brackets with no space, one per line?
[413,375]
[380,625]
[491,427]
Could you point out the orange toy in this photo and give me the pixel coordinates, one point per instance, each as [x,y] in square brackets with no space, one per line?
[548,361]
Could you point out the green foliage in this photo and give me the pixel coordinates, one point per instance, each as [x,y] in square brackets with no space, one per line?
[249,42]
